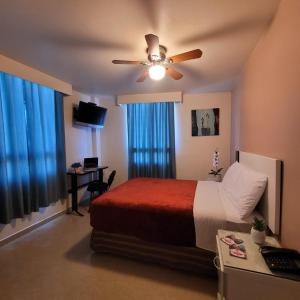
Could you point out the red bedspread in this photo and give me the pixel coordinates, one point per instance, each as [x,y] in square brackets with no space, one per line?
[155,210]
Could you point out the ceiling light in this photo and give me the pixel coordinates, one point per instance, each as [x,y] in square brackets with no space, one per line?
[157,72]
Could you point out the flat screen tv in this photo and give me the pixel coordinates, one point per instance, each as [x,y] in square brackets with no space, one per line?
[89,114]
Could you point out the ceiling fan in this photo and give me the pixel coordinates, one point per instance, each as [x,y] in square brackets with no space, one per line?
[158,64]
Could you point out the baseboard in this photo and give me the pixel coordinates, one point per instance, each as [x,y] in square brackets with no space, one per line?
[30,228]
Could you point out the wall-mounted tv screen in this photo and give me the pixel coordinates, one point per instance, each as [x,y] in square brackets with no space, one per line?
[89,114]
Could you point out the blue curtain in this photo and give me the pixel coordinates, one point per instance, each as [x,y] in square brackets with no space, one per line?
[32,155]
[151,140]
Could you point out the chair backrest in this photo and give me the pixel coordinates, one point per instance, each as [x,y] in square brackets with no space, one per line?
[111,178]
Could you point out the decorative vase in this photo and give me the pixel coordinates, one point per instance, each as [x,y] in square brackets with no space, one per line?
[216,178]
[258,237]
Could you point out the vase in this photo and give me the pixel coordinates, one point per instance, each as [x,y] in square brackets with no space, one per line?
[216,178]
[258,237]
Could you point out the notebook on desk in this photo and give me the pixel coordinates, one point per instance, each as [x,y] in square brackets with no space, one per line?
[90,164]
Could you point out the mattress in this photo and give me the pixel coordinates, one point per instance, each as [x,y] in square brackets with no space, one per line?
[190,259]
[167,211]
[154,210]
[213,210]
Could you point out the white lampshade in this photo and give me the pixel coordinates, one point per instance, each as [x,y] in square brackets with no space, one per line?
[157,72]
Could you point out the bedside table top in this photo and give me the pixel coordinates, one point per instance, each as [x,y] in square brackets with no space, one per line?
[254,261]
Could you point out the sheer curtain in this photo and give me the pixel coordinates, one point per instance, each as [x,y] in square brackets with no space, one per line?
[32,155]
[151,140]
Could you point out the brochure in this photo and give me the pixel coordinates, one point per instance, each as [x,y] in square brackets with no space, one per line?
[238,251]
[231,239]
[236,248]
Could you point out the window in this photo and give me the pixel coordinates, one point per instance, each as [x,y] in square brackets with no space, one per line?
[32,144]
[151,141]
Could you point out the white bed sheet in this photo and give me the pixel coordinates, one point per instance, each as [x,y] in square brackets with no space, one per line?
[212,211]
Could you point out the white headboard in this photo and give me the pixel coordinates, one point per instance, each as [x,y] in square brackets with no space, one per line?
[269,205]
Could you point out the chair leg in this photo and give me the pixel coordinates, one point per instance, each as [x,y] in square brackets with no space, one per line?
[91,199]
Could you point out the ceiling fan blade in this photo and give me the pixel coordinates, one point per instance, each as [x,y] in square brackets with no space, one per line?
[197,53]
[153,44]
[173,73]
[143,76]
[127,62]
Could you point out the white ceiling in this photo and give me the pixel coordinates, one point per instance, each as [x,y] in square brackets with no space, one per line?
[76,40]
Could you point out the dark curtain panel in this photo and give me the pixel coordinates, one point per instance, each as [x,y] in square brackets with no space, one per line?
[151,140]
[61,179]
[31,146]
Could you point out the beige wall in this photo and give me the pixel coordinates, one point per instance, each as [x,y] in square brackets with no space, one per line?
[154,97]
[194,154]
[270,107]
[235,122]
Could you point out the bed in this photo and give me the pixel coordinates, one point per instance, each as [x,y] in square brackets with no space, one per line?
[174,222]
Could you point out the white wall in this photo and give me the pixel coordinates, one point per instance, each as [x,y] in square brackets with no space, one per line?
[18,225]
[114,139]
[109,144]
[194,154]
[80,141]
[78,138]
[13,67]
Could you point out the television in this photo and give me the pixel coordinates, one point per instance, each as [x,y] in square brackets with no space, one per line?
[89,114]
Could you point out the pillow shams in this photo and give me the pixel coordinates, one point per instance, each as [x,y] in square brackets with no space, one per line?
[244,187]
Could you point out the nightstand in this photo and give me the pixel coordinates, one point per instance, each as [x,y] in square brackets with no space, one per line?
[250,278]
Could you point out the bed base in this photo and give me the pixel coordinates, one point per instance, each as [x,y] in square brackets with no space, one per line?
[190,259]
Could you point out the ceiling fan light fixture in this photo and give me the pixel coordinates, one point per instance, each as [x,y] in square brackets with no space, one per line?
[158,64]
[157,72]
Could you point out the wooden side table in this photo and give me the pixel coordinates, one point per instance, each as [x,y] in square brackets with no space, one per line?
[250,278]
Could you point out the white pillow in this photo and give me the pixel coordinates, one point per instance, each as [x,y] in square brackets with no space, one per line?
[244,187]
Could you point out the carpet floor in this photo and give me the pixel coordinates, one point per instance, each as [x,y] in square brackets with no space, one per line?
[55,262]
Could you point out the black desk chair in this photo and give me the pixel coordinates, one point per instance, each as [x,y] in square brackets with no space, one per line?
[101,187]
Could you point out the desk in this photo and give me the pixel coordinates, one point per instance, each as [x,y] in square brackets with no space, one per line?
[75,187]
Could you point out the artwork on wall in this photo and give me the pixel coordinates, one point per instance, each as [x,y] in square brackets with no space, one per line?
[205,122]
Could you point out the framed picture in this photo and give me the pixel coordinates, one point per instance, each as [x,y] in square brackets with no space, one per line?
[205,122]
